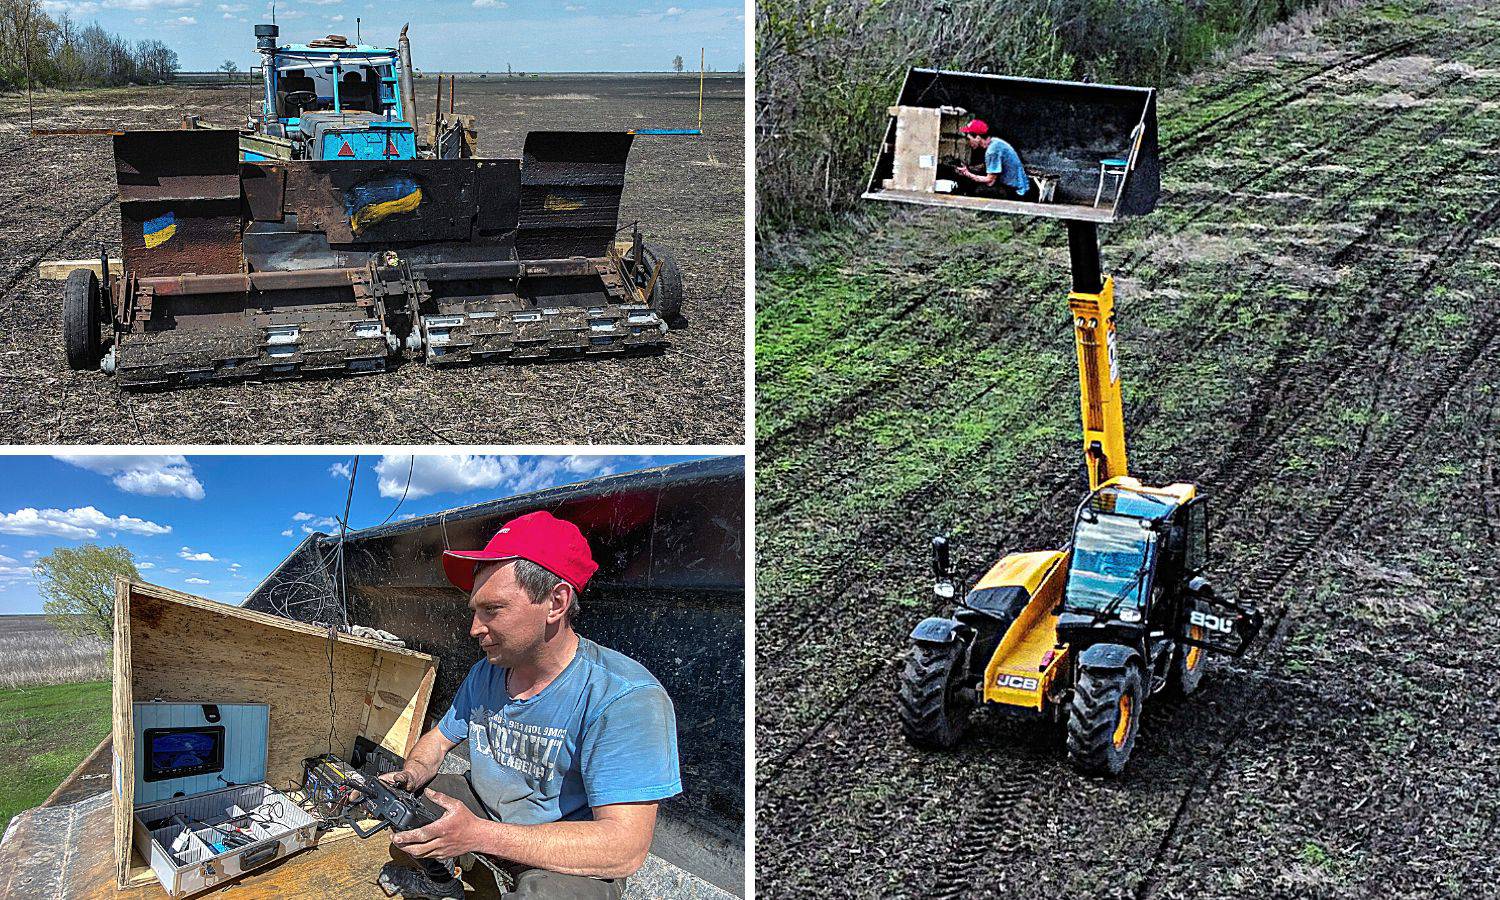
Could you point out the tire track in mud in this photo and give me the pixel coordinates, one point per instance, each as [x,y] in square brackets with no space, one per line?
[1389,457]
[31,263]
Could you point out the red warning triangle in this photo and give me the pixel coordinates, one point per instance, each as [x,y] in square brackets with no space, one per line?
[390,147]
[346,150]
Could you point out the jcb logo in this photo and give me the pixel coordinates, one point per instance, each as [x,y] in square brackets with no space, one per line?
[1018,682]
[1211,621]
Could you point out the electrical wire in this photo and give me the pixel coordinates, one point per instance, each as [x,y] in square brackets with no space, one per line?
[409,470]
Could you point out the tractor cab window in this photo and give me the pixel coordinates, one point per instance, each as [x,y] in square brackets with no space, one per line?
[1111,556]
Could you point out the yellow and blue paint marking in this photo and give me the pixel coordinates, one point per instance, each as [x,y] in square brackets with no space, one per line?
[159,230]
[377,200]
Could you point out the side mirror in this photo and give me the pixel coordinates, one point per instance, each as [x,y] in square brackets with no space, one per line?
[940,557]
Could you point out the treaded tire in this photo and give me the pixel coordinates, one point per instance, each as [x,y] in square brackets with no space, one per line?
[933,714]
[80,319]
[1188,666]
[666,295]
[1096,745]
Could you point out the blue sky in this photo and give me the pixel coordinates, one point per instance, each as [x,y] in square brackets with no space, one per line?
[451,35]
[213,526]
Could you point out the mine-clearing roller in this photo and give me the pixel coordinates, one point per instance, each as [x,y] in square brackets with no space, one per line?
[277,269]
[1084,634]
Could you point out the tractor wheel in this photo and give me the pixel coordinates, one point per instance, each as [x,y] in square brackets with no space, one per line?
[80,319]
[1188,665]
[934,713]
[1104,719]
[666,295]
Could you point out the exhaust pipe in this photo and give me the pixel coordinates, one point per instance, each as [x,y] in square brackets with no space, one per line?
[408,89]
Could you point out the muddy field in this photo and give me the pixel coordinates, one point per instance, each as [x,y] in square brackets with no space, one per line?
[1309,329]
[687,192]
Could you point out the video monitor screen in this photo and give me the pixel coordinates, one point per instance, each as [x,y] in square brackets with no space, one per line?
[180,752]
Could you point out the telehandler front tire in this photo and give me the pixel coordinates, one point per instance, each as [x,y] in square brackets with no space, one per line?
[1104,718]
[934,714]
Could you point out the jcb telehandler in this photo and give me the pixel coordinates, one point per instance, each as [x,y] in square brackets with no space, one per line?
[1084,634]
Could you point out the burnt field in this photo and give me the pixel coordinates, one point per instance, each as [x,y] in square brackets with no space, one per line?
[1309,330]
[687,193]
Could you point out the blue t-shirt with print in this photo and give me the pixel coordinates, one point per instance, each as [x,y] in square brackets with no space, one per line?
[1002,159]
[602,732]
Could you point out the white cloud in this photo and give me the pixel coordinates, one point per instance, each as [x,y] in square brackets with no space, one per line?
[15,573]
[145,565]
[337,18]
[152,476]
[187,554]
[489,4]
[182,20]
[231,7]
[77,524]
[312,523]
[438,474]
[457,474]
[197,580]
[173,570]
[287,533]
[5,559]
[674,10]
[233,566]
[339,470]
[573,7]
[31,554]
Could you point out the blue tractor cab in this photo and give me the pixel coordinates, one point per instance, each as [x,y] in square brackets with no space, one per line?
[332,99]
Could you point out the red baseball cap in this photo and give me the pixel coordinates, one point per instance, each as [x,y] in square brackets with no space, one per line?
[555,545]
[975,126]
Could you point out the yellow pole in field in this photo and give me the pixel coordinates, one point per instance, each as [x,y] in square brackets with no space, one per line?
[700,89]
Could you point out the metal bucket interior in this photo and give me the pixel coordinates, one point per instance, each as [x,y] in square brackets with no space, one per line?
[1062,129]
[670,593]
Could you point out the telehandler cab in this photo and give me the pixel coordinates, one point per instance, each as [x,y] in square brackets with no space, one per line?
[1084,634]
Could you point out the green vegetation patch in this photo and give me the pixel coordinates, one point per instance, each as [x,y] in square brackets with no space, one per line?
[44,733]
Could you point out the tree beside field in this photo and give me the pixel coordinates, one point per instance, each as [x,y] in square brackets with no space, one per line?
[677,64]
[78,587]
[35,47]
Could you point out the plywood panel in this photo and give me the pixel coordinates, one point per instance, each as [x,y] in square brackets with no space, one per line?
[915,164]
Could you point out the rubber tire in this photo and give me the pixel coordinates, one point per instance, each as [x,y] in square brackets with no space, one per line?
[1095,714]
[1184,681]
[80,320]
[666,294]
[931,716]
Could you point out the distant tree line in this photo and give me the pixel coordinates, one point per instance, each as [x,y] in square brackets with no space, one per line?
[826,71]
[61,53]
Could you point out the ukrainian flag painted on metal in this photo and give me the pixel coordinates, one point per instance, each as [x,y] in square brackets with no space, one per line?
[159,230]
[377,200]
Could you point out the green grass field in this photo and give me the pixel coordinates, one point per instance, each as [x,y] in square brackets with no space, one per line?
[44,733]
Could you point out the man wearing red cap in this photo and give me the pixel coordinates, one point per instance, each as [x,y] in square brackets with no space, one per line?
[572,745]
[1003,174]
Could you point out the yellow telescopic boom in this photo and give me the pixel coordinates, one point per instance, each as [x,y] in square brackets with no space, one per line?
[1092,303]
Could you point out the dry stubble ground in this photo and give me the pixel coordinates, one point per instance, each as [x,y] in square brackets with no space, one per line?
[1309,329]
[688,193]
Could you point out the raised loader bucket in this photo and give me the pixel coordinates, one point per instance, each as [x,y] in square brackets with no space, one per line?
[1089,150]
[670,593]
